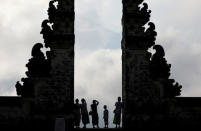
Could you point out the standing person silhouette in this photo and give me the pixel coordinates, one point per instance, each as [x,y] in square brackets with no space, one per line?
[84,112]
[105,116]
[77,113]
[117,113]
[94,113]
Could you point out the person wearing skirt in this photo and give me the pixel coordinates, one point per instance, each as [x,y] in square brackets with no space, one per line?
[94,113]
[117,113]
[84,112]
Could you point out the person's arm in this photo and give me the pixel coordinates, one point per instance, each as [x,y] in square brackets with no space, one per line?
[97,103]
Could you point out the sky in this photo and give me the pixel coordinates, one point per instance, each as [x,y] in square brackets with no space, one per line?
[98,40]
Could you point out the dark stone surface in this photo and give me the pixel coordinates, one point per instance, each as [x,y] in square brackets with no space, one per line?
[10,101]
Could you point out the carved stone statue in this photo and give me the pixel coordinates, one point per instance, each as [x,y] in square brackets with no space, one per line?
[52,11]
[151,34]
[36,51]
[46,32]
[145,9]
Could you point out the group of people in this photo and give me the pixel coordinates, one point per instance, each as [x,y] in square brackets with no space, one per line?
[81,113]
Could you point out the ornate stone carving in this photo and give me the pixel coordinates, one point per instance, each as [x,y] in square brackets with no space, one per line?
[52,11]
[146,83]
[38,66]
[160,70]
[47,33]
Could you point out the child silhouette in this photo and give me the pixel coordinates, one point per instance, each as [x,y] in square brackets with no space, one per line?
[105,116]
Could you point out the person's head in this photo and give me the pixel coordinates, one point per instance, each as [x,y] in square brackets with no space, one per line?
[77,101]
[105,107]
[94,101]
[119,99]
[83,100]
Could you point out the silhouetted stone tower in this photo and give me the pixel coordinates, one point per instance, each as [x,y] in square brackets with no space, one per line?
[137,84]
[49,85]
[58,95]
[146,83]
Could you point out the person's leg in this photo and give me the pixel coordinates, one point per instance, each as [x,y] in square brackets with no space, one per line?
[97,120]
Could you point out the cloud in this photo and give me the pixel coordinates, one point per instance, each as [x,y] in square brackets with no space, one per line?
[6,88]
[98,71]
[97,24]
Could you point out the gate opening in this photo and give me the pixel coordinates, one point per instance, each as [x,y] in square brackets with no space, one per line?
[98,64]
